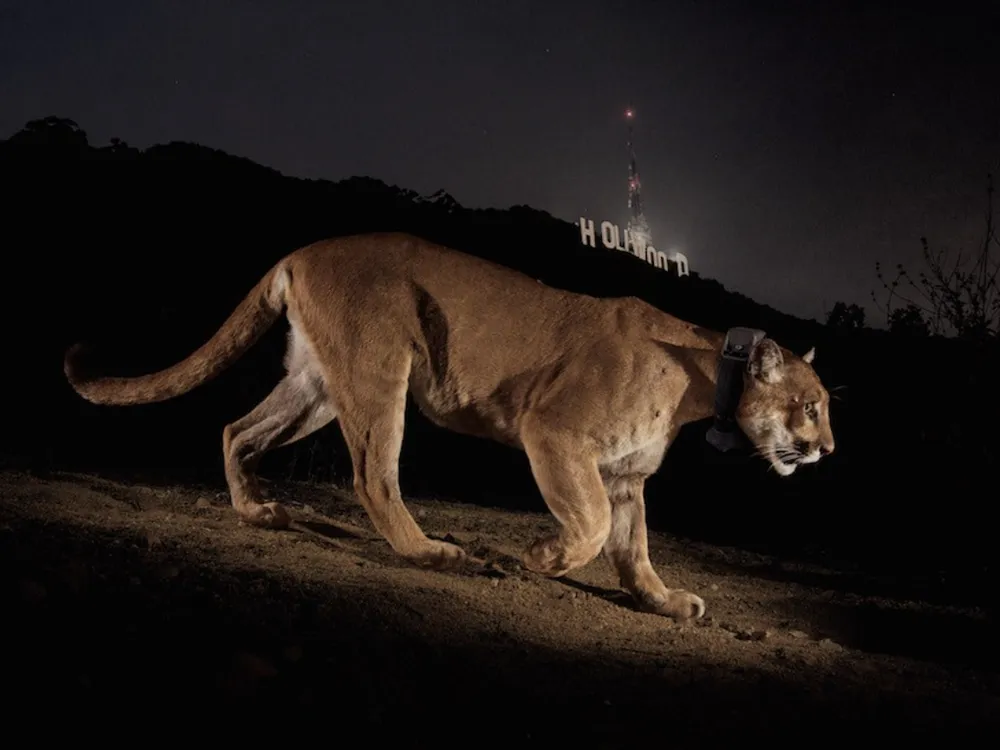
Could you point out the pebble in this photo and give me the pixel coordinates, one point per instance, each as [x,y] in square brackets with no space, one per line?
[752,635]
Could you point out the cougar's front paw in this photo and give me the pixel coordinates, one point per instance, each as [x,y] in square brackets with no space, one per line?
[266,515]
[436,555]
[676,603]
[546,557]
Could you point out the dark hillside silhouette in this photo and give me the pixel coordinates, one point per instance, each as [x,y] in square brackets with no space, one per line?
[144,252]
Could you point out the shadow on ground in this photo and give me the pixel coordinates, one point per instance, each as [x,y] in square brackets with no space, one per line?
[944,637]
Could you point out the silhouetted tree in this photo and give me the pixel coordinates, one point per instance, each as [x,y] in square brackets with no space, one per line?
[844,317]
[119,147]
[909,321]
[959,296]
[51,132]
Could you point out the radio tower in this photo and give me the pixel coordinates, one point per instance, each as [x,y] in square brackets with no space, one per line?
[638,229]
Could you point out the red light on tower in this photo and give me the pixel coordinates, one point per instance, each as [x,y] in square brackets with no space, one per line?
[628,113]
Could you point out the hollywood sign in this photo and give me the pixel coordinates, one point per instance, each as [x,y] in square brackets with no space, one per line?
[615,239]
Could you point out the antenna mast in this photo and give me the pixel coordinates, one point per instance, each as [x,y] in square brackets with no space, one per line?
[638,229]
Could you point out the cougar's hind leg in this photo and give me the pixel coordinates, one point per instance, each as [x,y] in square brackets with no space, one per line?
[372,417]
[297,407]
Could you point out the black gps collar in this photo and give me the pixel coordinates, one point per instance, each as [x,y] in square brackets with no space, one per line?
[725,435]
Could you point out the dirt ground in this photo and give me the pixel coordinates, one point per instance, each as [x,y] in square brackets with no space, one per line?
[127,601]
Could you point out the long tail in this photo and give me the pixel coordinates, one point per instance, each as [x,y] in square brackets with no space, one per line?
[249,321]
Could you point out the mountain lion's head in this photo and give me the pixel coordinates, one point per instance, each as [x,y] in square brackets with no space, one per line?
[784,410]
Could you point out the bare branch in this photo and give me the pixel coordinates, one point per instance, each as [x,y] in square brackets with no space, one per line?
[957,293]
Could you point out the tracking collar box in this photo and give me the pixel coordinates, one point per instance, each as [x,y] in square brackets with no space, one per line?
[725,435]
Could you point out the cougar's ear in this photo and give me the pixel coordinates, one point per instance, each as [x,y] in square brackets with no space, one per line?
[766,361]
[809,356]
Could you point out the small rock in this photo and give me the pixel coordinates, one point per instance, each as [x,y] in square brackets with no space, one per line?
[798,634]
[494,582]
[202,503]
[492,570]
[309,509]
[752,635]
[830,645]
[714,587]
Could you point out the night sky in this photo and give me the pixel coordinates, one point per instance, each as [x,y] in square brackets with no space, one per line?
[783,151]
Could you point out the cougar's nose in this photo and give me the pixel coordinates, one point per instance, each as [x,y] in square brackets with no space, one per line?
[826,448]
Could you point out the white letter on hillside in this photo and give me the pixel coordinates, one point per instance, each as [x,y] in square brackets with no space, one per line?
[621,239]
[682,264]
[608,234]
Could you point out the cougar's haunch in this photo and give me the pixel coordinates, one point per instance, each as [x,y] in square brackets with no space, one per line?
[593,390]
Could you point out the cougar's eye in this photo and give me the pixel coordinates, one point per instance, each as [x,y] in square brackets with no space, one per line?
[810,410]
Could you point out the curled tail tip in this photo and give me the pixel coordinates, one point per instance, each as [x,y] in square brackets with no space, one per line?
[75,370]
[71,363]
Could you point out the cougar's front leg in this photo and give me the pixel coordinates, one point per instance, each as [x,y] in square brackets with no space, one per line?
[627,549]
[569,480]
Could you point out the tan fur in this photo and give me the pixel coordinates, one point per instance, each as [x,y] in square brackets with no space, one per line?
[593,390]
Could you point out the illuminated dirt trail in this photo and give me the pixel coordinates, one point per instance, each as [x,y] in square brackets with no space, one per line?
[157,600]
